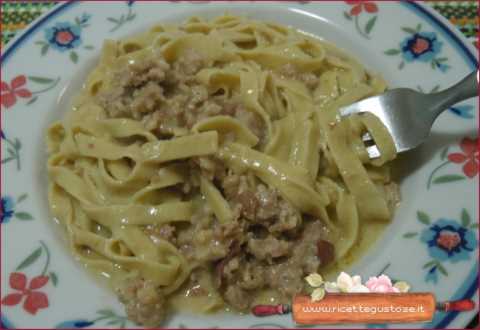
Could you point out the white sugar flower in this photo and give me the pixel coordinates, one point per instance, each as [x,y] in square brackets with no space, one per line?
[346,283]
[331,287]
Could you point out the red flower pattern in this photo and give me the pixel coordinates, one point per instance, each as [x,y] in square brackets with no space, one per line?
[448,240]
[421,45]
[35,300]
[64,37]
[359,5]
[470,157]
[10,92]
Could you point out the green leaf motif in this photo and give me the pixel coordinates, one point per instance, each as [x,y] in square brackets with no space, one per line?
[6,160]
[443,155]
[433,64]
[40,80]
[21,198]
[392,51]
[474,226]
[11,152]
[401,65]
[74,57]
[370,24]
[347,15]
[423,217]
[442,269]
[419,27]
[54,278]
[435,89]
[89,47]
[30,259]
[23,216]
[409,30]
[448,178]
[429,264]
[44,49]
[40,42]
[113,20]
[17,143]
[32,100]
[112,322]
[441,59]
[106,312]
[465,218]
[131,17]
[410,235]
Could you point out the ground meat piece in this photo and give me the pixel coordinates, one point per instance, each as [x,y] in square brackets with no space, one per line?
[268,248]
[309,79]
[140,72]
[260,204]
[287,278]
[230,185]
[291,72]
[248,203]
[144,303]
[214,244]
[199,94]
[190,63]
[241,195]
[305,251]
[250,119]
[161,232]
[147,98]
[126,93]
[288,70]
[208,248]
[252,276]
[288,217]
[229,268]
[267,200]
[237,297]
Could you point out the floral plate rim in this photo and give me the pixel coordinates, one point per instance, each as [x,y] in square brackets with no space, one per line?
[469,287]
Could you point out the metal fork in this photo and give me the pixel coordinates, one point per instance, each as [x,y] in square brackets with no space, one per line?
[407,114]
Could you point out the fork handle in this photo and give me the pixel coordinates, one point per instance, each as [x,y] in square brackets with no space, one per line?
[463,90]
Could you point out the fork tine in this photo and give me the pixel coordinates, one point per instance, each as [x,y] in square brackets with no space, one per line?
[350,110]
[373,152]
[366,137]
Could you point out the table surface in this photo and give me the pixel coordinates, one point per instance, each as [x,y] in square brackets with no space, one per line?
[16,15]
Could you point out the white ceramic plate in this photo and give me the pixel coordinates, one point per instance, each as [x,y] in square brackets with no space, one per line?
[432,242]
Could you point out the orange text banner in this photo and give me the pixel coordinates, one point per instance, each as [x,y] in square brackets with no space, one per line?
[364,308]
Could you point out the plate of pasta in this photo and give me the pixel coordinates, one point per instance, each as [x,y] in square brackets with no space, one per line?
[172,164]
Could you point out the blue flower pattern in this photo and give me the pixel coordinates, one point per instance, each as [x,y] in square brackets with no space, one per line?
[448,240]
[74,324]
[464,111]
[6,209]
[420,46]
[432,47]
[64,36]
